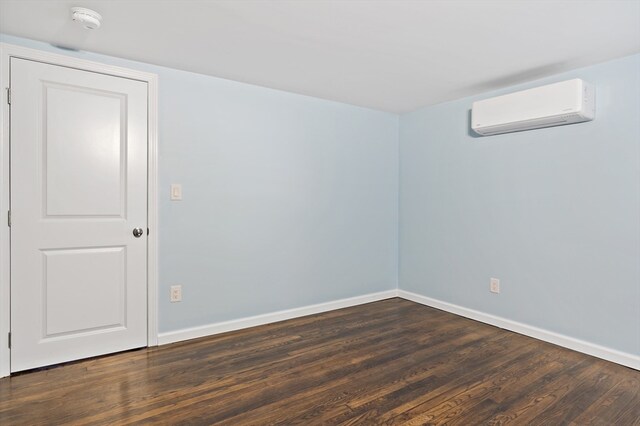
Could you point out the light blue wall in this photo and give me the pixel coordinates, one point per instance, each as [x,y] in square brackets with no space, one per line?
[553,213]
[288,200]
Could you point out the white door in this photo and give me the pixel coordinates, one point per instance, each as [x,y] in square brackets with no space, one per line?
[78,190]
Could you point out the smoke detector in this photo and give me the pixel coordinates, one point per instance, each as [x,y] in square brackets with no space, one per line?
[89,19]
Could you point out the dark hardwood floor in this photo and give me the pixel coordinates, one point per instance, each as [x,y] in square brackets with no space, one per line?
[389,362]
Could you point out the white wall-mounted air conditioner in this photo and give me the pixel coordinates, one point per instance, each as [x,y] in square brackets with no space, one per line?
[566,102]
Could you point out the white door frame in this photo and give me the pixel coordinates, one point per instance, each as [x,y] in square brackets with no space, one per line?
[8,51]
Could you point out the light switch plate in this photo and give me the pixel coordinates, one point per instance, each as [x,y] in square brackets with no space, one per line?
[176,192]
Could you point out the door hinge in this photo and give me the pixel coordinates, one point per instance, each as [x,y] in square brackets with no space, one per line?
[9,96]
[9,218]
[147,231]
[9,339]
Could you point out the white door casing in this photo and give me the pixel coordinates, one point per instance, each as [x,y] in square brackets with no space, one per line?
[78,189]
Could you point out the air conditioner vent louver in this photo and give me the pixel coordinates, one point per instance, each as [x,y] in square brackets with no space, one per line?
[536,108]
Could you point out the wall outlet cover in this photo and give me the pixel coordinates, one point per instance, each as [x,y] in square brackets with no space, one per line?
[494,285]
[176,293]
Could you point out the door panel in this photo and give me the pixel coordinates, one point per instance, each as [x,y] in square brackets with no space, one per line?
[96,185]
[78,188]
[98,303]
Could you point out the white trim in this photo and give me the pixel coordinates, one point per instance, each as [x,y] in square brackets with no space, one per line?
[152,211]
[226,326]
[7,51]
[5,259]
[593,349]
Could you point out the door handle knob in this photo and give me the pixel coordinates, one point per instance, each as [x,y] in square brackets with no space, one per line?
[137,232]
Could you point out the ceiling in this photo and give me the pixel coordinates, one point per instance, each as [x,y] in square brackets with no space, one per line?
[389,55]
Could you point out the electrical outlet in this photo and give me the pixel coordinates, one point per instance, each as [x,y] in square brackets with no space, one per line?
[494,285]
[176,293]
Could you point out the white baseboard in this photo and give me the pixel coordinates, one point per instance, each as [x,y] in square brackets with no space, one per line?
[603,352]
[623,358]
[223,327]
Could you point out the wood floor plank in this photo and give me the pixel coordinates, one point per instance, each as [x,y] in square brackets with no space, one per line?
[614,406]
[400,407]
[388,362]
[365,378]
